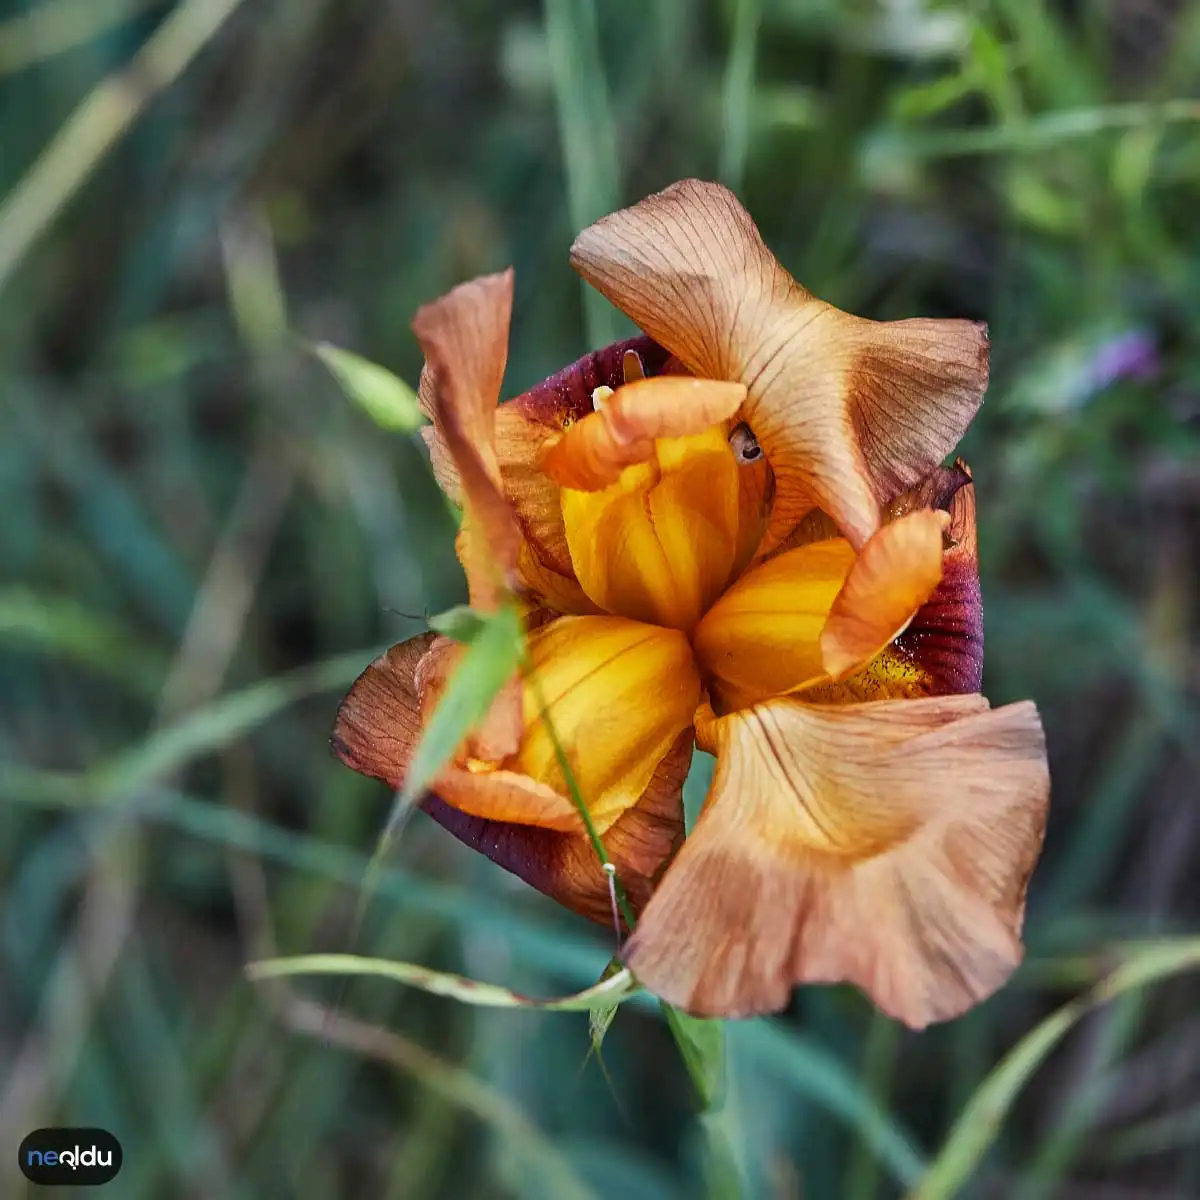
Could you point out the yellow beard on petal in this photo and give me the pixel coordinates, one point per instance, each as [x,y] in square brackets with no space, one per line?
[659,544]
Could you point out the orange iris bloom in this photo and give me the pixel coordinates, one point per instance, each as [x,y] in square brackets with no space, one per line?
[734,532]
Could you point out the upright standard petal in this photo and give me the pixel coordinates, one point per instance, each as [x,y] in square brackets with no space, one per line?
[659,545]
[464,336]
[848,411]
[885,845]
[378,727]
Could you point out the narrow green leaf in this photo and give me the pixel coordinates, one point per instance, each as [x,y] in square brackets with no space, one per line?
[608,993]
[384,397]
[979,1123]
[587,134]
[702,1046]
[485,667]
[462,623]
[59,626]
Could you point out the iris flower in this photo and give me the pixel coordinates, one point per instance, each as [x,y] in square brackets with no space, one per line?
[734,532]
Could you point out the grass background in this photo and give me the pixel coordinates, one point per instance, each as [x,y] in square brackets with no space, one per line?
[203,541]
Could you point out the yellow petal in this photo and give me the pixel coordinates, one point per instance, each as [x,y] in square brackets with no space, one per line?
[848,411]
[592,453]
[378,726]
[660,543]
[893,576]
[464,336]
[619,693]
[762,638]
[886,845]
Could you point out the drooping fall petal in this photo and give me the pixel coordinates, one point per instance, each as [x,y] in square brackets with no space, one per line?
[886,845]
[593,452]
[848,411]
[378,727]
[941,650]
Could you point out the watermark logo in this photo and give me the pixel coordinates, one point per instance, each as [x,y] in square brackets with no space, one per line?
[70,1157]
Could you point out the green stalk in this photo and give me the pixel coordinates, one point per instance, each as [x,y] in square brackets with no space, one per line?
[573,790]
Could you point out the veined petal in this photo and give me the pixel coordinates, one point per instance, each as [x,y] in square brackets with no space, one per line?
[618,694]
[593,452]
[464,336]
[941,650]
[762,638]
[848,411]
[659,544]
[886,845]
[892,577]
[379,722]
[378,726]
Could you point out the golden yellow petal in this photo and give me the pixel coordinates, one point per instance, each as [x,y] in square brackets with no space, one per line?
[848,411]
[895,574]
[378,726]
[592,453]
[619,693]
[885,845]
[464,336]
[659,544]
[762,638]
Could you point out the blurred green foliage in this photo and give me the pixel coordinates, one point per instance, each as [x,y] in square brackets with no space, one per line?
[203,541]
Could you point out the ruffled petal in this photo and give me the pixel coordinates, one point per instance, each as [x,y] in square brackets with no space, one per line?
[848,411]
[378,727]
[885,845]
[593,452]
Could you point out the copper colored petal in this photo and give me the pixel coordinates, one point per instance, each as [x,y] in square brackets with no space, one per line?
[885,845]
[848,411]
[379,722]
[464,336]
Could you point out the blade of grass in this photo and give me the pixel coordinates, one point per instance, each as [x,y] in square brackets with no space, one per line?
[98,124]
[442,983]
[586,134]
[738,93]
[979,1123]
